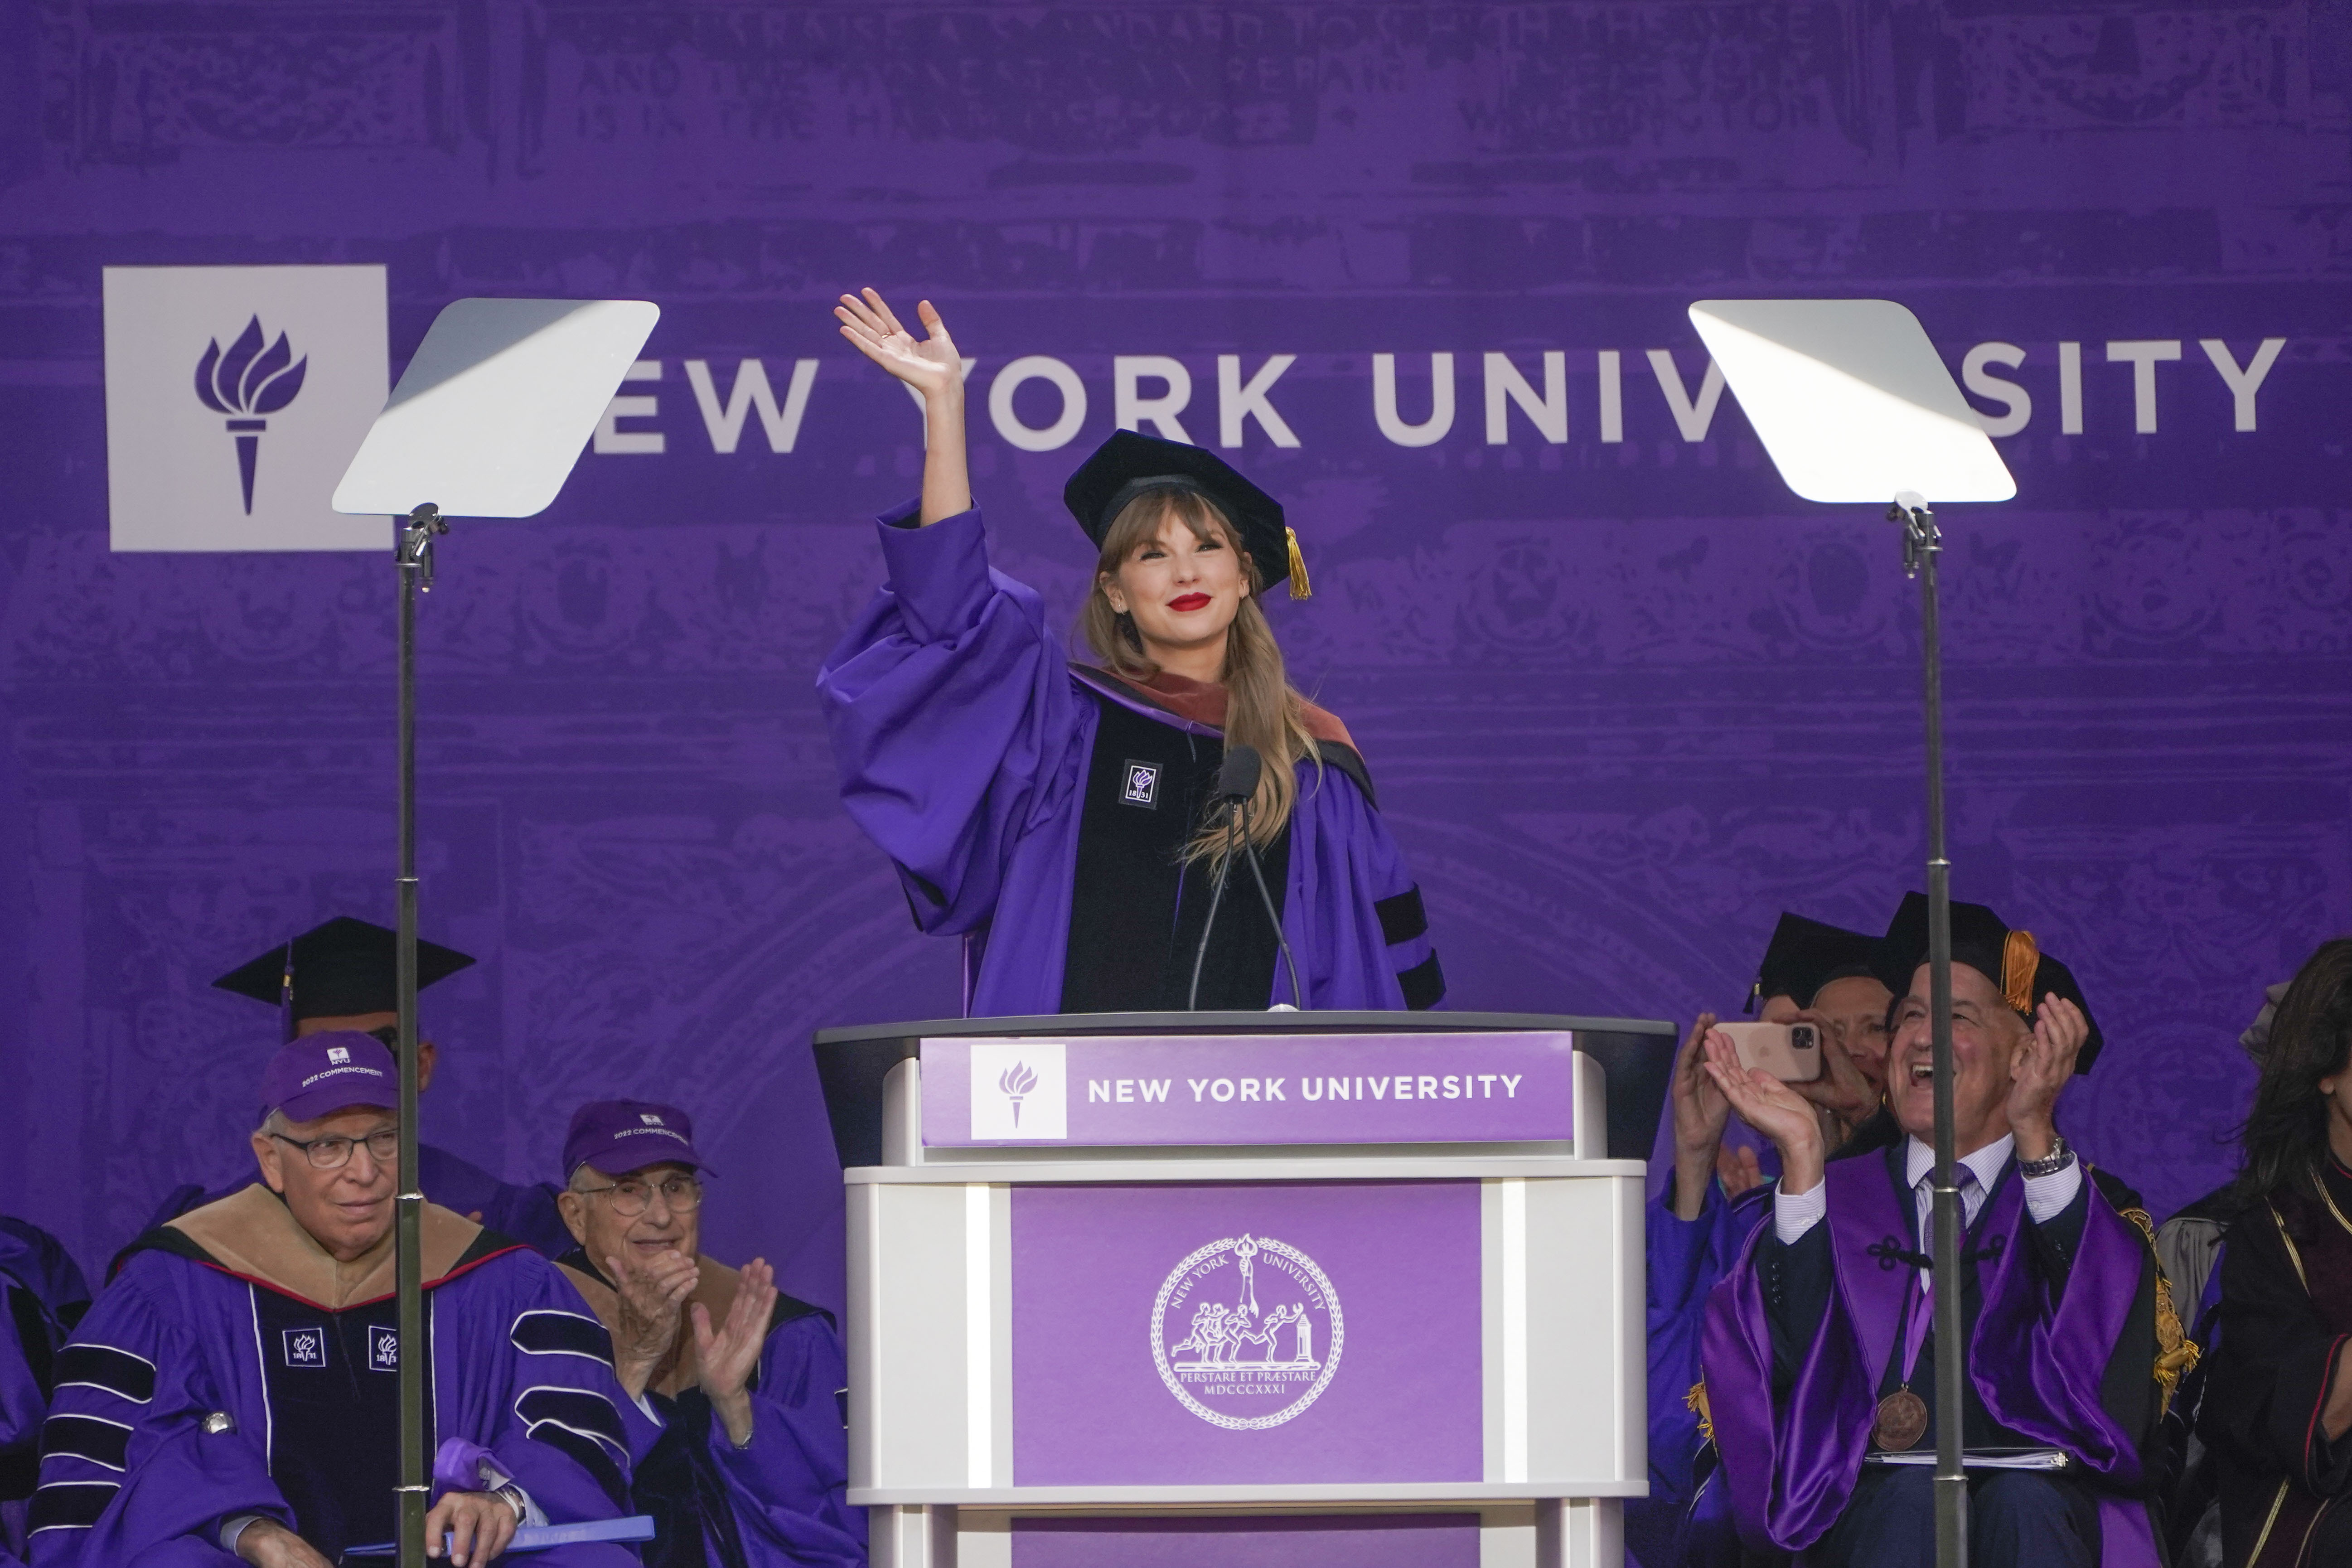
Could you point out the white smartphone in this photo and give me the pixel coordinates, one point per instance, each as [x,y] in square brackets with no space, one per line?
[1789,1052]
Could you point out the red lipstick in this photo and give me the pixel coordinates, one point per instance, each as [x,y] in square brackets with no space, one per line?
[1189,602]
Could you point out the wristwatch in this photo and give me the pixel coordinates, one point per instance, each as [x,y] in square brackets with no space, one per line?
[2058,1159]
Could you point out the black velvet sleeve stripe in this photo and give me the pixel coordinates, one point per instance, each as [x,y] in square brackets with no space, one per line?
[590,1414]
[119,1373]
[590,1456]
[71,1505]
[1351,762]
[1424,984]
[563,1333]
[787,1308]
[87,1437]
[1402,917]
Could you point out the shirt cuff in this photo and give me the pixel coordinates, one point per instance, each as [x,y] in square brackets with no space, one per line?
[232,1528]
[1794,1213]
[2047,1197]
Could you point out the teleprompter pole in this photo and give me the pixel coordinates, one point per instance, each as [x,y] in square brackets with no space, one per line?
[414,554]
[1923,546]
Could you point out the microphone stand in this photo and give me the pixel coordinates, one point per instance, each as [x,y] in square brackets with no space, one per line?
[413,554]
[1923,546]
[1257,874]
[1216,897]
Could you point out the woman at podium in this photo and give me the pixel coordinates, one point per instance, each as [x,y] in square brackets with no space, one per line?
[1078,824]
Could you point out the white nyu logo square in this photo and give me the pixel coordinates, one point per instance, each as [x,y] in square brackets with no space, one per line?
[235,398]
[384,1349]
[1020,1088]
[306,1347]
[338,1054]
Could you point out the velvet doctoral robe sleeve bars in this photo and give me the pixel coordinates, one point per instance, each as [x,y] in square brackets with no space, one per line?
[1802,1339]
[207,1384]
[1029,804]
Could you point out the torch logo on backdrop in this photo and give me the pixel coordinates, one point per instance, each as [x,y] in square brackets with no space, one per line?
[1246,1332]
[246,384]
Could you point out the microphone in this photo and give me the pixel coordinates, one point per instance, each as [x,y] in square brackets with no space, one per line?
[1236,782]
[1237,779]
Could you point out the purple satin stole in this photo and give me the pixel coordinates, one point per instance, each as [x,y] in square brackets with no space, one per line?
[2037,1363]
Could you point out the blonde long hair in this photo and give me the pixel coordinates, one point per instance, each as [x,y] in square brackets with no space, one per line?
[1261,709]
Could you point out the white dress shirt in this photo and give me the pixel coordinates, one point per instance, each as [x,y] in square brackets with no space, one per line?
[2046,1197]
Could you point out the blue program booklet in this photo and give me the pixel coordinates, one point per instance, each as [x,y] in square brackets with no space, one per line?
[540,1536]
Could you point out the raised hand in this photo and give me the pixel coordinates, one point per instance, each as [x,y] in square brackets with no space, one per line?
[1773,1108]
[1700,1115]
[932,367]
[651,1294]
[2039,1069]
[727,1354]
[1842,1092]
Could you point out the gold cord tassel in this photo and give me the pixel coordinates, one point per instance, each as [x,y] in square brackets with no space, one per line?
[1300,588]
[2020,958]
[1695,1400]
[2176,1352]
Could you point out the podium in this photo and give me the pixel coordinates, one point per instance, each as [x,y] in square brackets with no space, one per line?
[1314,1289]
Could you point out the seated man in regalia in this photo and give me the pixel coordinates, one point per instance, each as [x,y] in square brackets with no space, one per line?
[1818,1349]
[752,1467]
[233,1394]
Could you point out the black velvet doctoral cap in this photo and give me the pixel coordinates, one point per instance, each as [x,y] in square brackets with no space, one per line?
[2011,959]
[1129,465]
[1805,955]
[338,970]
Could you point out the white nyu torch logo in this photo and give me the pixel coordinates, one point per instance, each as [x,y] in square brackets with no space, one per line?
[289,368]
[1019,1090]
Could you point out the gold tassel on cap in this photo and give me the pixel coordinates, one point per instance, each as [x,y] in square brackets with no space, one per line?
[1300,588]
[2020,958]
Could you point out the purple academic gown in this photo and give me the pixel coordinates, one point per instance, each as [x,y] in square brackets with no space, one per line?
[2038,1364]
[528,1213]
[1686,1521]
[964,738]
[786,1492]
[787,1489]
[130,1476]
[42,1296]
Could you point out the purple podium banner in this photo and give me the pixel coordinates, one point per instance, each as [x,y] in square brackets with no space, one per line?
[1230,1333]
[1260,1541]
[1243,1090]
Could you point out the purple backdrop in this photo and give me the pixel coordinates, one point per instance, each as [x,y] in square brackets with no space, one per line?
[1625,699]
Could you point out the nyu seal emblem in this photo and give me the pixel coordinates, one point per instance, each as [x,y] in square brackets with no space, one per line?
[1246,1332]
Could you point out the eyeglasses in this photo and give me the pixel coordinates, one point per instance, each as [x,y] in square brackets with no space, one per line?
[681,1194]
[333,1151]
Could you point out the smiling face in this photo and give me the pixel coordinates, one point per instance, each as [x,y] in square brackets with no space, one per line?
[603,1234]
[1182,580]
[347,1210]
[1857,1008]
[1985,1037]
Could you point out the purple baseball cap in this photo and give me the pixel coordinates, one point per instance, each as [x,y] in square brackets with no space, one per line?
[320,1074]
[617,1136]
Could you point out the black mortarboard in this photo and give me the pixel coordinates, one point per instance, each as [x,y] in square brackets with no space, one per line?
[337,970]
[1805,955]
[1130,465]
[2011,959]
